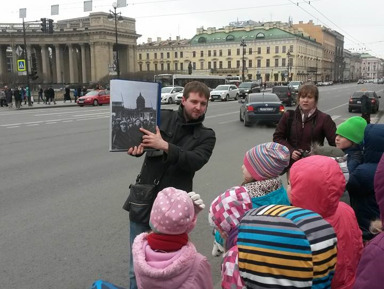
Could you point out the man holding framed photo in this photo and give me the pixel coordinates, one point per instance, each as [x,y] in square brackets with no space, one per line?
[180,146]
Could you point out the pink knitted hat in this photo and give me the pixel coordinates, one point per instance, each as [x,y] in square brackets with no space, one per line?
[172,213]
[227,209]
[267,160]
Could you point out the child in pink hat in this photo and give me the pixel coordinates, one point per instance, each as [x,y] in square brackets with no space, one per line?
[165,258]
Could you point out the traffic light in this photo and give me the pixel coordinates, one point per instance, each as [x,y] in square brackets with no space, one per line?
[34,62]
[33,75]
[43,24]
[50,26]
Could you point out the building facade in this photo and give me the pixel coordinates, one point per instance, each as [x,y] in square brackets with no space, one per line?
[371,66]
[272,51]
[79,50]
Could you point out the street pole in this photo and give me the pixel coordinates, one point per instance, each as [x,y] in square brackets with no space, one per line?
[113,16]
[243,45]
[316,71]
[26,65]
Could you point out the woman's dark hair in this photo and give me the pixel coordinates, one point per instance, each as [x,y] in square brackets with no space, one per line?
[198,87]
[308,88]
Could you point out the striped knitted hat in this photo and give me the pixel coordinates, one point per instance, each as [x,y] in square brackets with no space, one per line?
[267,160]
[286,247]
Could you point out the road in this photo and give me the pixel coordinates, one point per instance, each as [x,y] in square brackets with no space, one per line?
[61,192]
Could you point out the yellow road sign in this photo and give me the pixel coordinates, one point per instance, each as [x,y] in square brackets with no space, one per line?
[21,65]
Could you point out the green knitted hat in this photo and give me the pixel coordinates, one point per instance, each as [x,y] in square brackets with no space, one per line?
[353,129]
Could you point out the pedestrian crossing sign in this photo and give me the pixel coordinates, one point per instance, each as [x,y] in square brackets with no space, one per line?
[21,65]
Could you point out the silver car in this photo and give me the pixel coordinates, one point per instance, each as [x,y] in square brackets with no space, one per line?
[168,94]
[225,92]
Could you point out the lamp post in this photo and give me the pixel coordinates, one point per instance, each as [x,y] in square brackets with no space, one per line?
[116,16]
[289,66]
[243,45]
[316,70]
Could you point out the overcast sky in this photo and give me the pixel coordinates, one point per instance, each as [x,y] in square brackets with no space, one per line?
[361,22]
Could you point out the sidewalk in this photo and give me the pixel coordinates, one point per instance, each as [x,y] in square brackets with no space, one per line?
[36,105]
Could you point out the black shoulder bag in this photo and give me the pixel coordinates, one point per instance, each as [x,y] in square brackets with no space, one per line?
[140,200]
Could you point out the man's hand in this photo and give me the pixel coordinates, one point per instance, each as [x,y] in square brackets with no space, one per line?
[136,150]
[153,140]
[197,202]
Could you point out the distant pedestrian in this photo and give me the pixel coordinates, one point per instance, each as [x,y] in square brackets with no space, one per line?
[46,95]
[41,91]
[23,95]
[16,94]
[3,100]
[8,96]
[265,85]
[51,95]
[366,108]
[67,94]
[84,90]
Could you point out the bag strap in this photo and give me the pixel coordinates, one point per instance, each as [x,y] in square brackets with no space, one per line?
[156,181]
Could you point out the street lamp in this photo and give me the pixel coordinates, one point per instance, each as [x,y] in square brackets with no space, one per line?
[117,17]
[289,66]
[243,44]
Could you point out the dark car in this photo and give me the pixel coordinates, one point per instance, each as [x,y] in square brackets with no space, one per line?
[355,100]
[246,88]
[261,107]
[284,93]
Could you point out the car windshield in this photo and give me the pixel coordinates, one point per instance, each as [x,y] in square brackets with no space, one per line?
[359,94]
[222,87]
[294,83]
[279,89]
[92,93]
[166,89]
[245,85]
[264,98]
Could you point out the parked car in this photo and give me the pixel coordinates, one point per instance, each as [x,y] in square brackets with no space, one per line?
[380,81]
[94,97]
[360,81]
[225,92]
[355,100]
[168,94]
[294,85]
[261,107]
[246,88]
[285,94]
[178,98]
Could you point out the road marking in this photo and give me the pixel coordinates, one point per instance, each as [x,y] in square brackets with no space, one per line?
[58,113]
[222,114]
[36,124]
[12,126]
[335,117]
[333,108]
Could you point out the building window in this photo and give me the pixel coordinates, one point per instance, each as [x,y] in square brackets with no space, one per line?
[267,63]
[229,64]
[193,53]
[268,50]
[140,57]
[276,62]
[162,66]
[175,54]
[276,49]
[201,65]
[147,55]
[147,66]
[258,50]
[181,66]
[209,65]
[249,63]
[141,67]
[214,52]
[168,55]
[283,63]
[194,65]
[201,53]
[220,64]
[155,66]
[202,40]
[181,54]
[230,38]
[229,52]
[284,49]
[220,52]
[161,55]
[291,48]
[238,63]
[209,53]
[155,55]
[214,65]
[238,51]
[250,51]
[168,66]
[176,66]
[259,63]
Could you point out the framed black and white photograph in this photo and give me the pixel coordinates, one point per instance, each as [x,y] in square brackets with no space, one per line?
[134,105]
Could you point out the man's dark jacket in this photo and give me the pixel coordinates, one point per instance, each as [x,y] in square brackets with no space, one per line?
[190,147]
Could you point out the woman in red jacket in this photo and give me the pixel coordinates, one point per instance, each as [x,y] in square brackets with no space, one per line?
[299,129]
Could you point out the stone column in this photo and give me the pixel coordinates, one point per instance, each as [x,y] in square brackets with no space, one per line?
[83,63]
[14,58]
[93,62]
[71,64]
[3,59]
[59,69]
[44,63]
